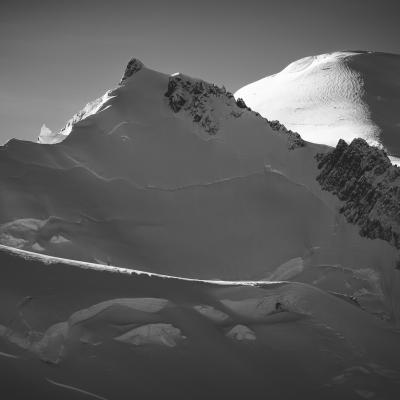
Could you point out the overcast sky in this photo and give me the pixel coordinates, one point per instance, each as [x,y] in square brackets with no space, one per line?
[58,55]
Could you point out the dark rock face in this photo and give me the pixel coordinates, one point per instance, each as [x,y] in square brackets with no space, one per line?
[363,177]
[294,139]
[240,103]
[134,65]
[197,98]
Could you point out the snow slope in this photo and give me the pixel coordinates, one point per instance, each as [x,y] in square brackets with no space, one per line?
[342,95]
[121,331]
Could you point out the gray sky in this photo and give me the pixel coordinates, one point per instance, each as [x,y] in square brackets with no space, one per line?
[58,55]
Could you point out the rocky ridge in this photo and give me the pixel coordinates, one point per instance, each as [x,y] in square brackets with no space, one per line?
[200,100]
[134,65]
[364,179]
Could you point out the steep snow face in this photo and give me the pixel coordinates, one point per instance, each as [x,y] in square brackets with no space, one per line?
[342,95]
[48,137]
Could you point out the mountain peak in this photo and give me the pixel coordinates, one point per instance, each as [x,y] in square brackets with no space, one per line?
[134,65]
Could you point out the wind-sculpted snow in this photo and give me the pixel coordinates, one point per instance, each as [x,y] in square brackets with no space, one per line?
[369,186]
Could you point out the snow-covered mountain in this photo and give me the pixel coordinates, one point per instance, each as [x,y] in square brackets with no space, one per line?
[171,175]
[342,95]
[166,167]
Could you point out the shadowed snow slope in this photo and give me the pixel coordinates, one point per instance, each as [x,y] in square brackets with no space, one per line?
[343,95]
[70,330]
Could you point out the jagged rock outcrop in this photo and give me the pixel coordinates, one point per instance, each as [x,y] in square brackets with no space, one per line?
[241,103]
[294,139]
[197,98]
[363,177]
[134,65]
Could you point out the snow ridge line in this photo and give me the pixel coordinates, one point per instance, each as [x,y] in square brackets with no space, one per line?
[48,260]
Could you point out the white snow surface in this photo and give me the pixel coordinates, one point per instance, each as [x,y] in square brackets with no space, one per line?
[341,95]
[48,137]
